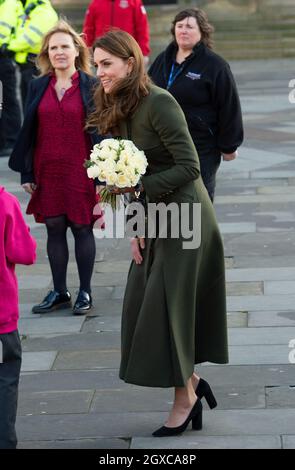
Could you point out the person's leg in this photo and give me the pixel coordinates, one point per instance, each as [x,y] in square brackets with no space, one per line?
[10,121]
[209,167]
[57,250]
[28,72]
[85,254]
[184,400]
[10,365]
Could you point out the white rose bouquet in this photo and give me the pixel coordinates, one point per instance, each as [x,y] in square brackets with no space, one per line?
[118,163]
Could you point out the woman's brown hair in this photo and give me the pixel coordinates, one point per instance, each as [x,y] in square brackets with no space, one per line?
[202,19]
[83,61]
[126,94]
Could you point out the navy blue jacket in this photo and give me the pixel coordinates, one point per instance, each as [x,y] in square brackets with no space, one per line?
[205,89]
[22,157]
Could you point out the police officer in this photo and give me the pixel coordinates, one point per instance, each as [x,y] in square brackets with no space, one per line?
[37,18]
[10,118]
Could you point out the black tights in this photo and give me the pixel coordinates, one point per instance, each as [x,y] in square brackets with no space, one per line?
[58,252]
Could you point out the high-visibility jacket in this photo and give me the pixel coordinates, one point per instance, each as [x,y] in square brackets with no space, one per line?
[128,15]
[37,18]
[9,12]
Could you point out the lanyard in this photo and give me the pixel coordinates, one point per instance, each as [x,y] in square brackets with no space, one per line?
[173,75]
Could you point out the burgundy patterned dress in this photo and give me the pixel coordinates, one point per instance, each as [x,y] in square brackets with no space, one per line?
[62,146]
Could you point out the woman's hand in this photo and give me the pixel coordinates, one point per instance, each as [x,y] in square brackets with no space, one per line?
[137,244]
[230,156]
[29,187]
[98,188]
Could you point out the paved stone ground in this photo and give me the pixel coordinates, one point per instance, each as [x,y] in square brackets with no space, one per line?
[70,394]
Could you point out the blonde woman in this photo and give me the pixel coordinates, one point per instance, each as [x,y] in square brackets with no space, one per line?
[50,153]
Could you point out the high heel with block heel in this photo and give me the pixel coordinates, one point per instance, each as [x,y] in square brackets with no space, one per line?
[194,416]
[204,390]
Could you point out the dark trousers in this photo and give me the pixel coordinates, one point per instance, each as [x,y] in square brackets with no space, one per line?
[9,378]
[209,167]
[10,121]
[28,72]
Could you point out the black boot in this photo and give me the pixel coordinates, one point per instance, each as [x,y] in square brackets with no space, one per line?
[83,303]
[53,301]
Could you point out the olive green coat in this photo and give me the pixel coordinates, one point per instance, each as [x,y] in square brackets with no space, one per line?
[174,311]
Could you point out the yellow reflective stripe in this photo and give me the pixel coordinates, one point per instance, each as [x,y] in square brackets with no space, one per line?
[6,25]
[36,30]
[29,40]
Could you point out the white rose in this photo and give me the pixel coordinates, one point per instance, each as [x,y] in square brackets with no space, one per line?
[111,178]
[123,181]
[93,172]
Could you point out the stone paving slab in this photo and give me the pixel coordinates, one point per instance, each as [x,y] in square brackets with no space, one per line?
[102,323]
[237,227]
[43,326]
[259,354]
[273,174]
[38,281]
[261,302]
[237,319]
[70,380]
[288,442]
[281,397]
[251,159]
[134,399]
[261,336]
[276,190]
[73,342]
[246,262]
[247,375]
[95,359]
[76,444]
[55,402]
[223,423]
[244,288]
[271,318]
[207,442]
[256,198]
[279,287]
[107,267]
[38,361]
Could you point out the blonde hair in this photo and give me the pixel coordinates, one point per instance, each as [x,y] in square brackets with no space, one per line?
[83,61]
[125,96]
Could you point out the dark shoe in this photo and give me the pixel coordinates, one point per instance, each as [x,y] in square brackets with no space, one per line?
[83,303]
[204,390]
[53,301]
[195,414]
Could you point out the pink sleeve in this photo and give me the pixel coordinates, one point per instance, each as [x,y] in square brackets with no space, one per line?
[20,246]
[142,28]
[89,26]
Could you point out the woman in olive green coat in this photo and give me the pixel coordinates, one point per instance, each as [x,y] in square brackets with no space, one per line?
[174,313]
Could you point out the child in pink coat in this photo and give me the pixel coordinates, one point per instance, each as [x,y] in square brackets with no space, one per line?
[16,247]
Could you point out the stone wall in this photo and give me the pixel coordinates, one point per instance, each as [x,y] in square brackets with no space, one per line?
[243,28]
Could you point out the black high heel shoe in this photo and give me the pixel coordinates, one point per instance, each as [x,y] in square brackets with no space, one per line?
[195,416]
[204,390]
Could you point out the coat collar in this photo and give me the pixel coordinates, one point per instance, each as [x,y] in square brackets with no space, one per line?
[170,55]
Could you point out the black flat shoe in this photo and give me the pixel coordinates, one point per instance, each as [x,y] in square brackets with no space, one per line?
[203,389]
[53,301]
[195,414]
[83,303]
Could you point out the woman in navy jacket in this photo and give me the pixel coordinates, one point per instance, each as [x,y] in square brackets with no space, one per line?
[202,83]
[50,154]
